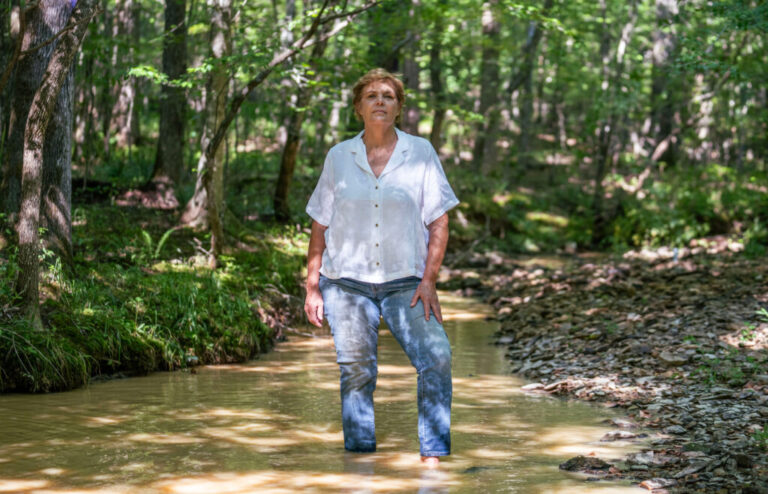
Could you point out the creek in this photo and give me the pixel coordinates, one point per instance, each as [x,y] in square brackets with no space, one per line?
[273,426]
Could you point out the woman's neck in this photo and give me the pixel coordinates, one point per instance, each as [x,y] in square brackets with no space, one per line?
[379,136]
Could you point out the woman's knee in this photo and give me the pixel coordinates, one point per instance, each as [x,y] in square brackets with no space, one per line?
[358,374]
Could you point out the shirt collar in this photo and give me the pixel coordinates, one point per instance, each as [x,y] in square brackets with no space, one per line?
[397,158]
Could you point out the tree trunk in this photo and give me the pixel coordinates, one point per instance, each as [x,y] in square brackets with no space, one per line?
[411,115]
[123,124]
[662,94]
[9,37]
[291,149]
[489,85]
[169,161]
[523,80]
[606,127]
[205,208]
[42,107]
[107,69]
[436,78]
[42,22]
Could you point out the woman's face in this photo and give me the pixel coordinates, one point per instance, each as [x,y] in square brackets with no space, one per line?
[378,104]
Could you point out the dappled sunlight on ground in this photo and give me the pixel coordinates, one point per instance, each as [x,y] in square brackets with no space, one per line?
[272,482]
[572,440]
[273,426]
[12,485]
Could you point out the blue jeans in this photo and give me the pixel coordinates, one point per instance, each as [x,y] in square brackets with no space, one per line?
[353,309]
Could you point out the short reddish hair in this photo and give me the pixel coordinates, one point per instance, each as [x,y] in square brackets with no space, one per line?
[375,75]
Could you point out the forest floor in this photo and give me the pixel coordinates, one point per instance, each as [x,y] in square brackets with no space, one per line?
[678,339]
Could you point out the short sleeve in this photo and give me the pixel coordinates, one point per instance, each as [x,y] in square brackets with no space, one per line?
[320,205]
[438,197]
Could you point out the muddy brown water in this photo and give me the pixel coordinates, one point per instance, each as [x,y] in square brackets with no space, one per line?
[273,426]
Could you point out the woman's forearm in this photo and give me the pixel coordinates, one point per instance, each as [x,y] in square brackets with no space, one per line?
[315,254]
[438,241]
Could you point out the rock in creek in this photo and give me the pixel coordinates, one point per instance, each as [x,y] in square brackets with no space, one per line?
[618,435]
[584,464]
[657,483]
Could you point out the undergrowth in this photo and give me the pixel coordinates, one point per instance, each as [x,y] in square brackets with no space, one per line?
[555,212]
[141,298]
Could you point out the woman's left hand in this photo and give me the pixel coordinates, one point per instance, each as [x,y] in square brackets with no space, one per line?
[427,292]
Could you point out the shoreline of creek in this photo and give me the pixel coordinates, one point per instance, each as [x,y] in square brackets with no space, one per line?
[673,338]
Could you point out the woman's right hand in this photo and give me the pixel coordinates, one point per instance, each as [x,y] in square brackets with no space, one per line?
[313,306]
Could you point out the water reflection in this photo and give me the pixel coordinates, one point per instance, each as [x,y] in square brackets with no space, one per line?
[273,426]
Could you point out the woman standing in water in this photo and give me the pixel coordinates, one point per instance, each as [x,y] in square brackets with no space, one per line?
[378,238]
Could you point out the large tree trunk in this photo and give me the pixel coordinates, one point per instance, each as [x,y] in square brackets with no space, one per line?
[205,208]
[293,140]
[42,108]
[489,86]
[42,22]
[169,161]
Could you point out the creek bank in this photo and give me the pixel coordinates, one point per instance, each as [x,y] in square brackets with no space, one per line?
[676,338]
[139,297]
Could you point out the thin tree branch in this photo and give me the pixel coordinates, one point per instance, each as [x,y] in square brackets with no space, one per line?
[351,13]
[48,41]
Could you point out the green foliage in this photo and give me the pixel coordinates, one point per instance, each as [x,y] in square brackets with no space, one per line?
[761,437]
[688,204]
[144,249]
[734,369]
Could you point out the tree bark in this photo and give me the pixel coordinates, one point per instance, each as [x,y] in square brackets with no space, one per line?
[42,22]
[169,160]
[43,106]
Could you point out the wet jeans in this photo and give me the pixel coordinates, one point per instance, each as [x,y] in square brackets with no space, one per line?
[353,309]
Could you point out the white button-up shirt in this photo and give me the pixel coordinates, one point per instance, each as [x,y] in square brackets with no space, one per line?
[377,227]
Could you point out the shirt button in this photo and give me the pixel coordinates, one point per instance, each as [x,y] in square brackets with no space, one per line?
[377,205]
[377,263]
[377,245]
[377,187]
[377,225]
